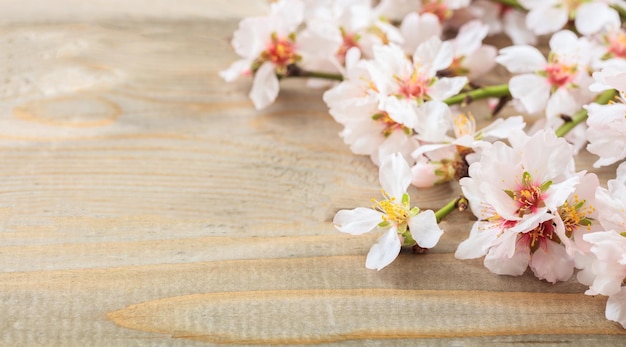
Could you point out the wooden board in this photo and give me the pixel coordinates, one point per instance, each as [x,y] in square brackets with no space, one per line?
[145,202]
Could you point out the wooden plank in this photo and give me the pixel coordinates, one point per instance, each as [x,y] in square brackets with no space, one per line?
[144,201]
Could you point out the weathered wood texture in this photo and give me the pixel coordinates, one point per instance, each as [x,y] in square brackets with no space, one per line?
[145,202]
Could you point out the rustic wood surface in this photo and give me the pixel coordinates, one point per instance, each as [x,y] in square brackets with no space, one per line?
[145,202]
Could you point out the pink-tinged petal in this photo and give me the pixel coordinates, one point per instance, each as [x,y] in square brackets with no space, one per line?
[521,59]
[385,251]
[479,241]
[424,174]
[531,90]
[553,264]
[513,266]
[424,229]
[433,55]
[236,69]
[357,221]
[546,20]
[594,16]
[616,307]
[556,159]
[265,87]
[287,16]
[395,175]
[446,87]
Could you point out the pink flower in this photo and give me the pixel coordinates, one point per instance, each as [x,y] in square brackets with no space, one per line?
[559,85]
[402,223]
[514,191]
[267,46]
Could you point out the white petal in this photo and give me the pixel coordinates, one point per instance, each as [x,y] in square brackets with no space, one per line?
[553,264]
[470,37]
[594,16]
[481,61]
[434,121]
[521,59]
[357,221]
[616,307]
[433,55]
[446,87]
[502,128]
[265,86]
[563,41]
[236,69]
[514,266]
[384,251]
[417,29]
[395,175]
[424,229]
[479,241]
[531,90]
[401,110]
[561,102]
[546,20]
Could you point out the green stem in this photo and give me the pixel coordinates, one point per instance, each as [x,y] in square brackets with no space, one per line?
[451,206]
[621,11]
[318,74]
[481,93]
[582,115]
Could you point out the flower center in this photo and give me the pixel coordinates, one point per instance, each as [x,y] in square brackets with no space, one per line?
[529,196]
[560,74]
[349,41]
[281,51]
[538,237]
[437,8]
[413,87]
[617,44]
[393,211]
[464,125]
[389,124]
[575,214]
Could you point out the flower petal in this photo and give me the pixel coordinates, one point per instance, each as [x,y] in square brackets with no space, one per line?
[265,86]
[395,175]
[531,90]
[552,264]
[616,307]
[446,87]
[521,59]
[479,241]
[357,221]
[545,20]
[594,16]
[384,251]
[424,229]
[514,266]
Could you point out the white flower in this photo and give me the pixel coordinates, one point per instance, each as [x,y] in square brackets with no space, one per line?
[513,192]
[409,91]
[402,223]
[559,85]
[267,46]
[471,57]
[548,16]
[439,162]
[368,130]
[607,125]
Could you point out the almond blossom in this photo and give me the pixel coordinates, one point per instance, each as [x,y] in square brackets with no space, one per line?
[514,191]
[548,16]
[607,125]
[268,47]
[393,214]
[471,57]
[441,162]
[558,85]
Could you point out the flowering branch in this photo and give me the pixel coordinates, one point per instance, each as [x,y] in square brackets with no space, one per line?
[481,93]
[582,115]
[296,71]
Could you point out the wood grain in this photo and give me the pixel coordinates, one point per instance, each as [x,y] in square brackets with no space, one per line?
[145,202]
